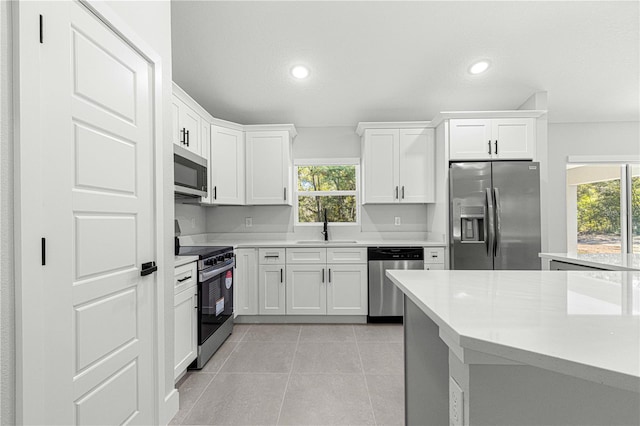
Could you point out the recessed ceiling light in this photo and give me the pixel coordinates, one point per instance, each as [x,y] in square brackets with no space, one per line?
[479,67]
[300,72]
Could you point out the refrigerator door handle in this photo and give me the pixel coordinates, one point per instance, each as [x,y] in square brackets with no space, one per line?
[496,193]
[490,235]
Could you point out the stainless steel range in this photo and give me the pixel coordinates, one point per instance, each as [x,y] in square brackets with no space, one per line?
[215,298]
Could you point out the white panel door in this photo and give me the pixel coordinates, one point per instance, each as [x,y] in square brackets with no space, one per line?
[514,138]
[268,168]
[306,290]
[381,174]
[97,184]
[417,166]
[271,291]
[347,289]
[470,139]
[227,166]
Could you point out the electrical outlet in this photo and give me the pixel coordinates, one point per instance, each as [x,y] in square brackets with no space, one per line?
[456,404]
[397,221]
[248,222]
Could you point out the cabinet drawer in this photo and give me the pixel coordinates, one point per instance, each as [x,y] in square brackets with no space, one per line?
[346,255]
[185,276]
[433,255]
[271,256]
[307,255]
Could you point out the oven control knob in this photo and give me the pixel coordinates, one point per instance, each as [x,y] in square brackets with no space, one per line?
[220,258]
[228,255]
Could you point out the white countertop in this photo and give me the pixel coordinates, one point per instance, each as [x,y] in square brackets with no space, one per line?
[610,261]
[319,243]
[583,324]
[183,260]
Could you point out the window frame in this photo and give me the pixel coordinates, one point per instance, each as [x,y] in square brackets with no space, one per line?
[325,162]
[625,163]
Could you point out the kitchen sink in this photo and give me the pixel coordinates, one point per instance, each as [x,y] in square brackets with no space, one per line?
[320,242]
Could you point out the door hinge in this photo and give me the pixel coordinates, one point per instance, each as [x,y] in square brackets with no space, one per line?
[43,248]
[41,31]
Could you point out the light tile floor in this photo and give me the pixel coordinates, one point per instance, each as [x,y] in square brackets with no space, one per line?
[299,375]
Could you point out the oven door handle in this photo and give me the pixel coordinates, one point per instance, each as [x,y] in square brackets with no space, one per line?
[207,275]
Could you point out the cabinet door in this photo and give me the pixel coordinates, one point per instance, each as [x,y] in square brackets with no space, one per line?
[347,289]
[514,138]
[227,166]
[189,120]
[306,290]
[380,166]
[246,288]
[271,291]
[175,122]
[268,168]
[417,166]
[205,151]
[185,330]
[470,139]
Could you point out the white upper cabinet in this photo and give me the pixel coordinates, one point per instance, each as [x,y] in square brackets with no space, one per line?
[492,139]
[268,167]
[398,165]
[186,126]
[227,169]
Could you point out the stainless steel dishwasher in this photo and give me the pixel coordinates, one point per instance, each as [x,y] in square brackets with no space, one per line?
[385,300]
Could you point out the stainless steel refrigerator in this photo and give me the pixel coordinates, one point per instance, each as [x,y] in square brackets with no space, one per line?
[494,218]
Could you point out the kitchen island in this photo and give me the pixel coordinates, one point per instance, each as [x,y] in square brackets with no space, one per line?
[521,347]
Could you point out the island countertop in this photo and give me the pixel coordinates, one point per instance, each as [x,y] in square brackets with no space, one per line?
[608,261]
[582,324]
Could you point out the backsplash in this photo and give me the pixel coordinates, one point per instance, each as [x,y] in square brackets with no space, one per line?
[191,218]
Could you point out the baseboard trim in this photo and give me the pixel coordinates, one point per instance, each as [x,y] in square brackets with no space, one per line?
[301,319]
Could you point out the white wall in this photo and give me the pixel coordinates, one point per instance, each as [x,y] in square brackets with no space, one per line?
[319,142]
[191,218]
[617,138]
[7,280]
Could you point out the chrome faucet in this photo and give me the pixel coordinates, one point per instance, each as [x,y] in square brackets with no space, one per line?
[325,230]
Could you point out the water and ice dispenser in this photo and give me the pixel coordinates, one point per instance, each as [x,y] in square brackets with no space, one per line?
[472,223]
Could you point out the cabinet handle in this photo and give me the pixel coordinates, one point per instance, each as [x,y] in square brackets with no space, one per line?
[215,192]
[181,280]
[322,274]
[489,147]
[187,134]
[329,274]
[396,192]
[182,136]
[403,192]
[272,255]
[281,275]
[285,193]
[496,146]
[195,301]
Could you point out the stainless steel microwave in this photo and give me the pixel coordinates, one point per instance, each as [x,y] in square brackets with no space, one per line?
[189,174]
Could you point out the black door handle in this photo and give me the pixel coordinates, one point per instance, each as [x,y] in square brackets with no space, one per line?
[148,268]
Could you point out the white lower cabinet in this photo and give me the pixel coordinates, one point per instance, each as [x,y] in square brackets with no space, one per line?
[271,291]
[320,288]
[185,313]
[245,291]
[347,291]
[306,290]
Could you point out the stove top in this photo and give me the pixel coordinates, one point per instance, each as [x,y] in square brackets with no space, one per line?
[203,251]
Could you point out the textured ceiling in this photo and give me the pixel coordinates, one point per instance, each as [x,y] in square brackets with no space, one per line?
[401,61]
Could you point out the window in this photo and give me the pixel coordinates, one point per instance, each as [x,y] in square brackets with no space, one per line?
[330,187]
[603,208]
